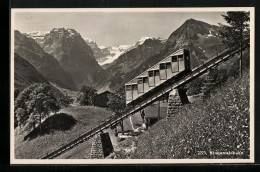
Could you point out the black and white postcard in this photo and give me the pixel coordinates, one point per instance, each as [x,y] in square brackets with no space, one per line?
[132,85]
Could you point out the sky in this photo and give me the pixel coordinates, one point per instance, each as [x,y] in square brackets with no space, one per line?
[110,28]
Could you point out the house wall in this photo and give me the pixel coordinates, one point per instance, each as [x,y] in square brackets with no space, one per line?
[101,100]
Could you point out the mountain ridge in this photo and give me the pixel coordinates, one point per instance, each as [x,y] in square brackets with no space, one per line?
[44,63]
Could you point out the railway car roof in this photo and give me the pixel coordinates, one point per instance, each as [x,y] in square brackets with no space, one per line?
[156,66]
[167,61]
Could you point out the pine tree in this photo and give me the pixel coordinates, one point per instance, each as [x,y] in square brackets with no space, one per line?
[236,33]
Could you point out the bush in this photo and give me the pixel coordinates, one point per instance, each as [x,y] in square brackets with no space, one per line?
[194,87]
[65,101]
[57,122]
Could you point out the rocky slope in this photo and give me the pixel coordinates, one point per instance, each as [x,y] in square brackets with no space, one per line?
[73,54]
[202,39]
[25,74]
[45,63]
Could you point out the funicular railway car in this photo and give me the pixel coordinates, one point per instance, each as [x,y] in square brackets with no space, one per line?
[172,65]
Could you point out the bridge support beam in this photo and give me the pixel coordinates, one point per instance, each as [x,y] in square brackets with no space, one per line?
[101,146]
[177,98]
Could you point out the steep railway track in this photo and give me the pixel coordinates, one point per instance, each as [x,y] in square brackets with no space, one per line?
[147,99]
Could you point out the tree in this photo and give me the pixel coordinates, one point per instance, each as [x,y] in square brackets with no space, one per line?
[236,33]
[21,117]
[35,103]
[20,104]
[42,102]
[65,101]
[87,95]
[116,102]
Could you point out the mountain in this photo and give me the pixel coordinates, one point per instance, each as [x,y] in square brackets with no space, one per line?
[121,69]
[73,54]
[142,50]
[25,74]
[106,55]
[202,39]
[82,57]
[45,63]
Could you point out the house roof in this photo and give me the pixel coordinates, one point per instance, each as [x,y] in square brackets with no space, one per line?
[105,92]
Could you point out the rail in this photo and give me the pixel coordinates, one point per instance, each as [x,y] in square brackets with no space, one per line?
[142,103]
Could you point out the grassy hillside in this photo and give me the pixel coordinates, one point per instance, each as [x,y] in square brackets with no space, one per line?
[63,127]
[219,124]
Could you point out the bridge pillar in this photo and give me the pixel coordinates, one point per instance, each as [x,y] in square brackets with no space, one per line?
[208,84]
[177,98]
[101,146]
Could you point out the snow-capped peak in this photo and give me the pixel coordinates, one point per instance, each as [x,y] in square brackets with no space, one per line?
[102,47]
[123,46]
[37,34]
[114,53]
[212,33]
[142,40]
[89,40]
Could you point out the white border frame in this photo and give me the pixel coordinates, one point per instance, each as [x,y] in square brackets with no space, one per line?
[137,161]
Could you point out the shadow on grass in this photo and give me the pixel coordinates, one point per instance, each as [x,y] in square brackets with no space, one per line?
[57,122]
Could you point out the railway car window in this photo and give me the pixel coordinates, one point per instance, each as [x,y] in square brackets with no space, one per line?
[146,80]
[174,58]
[168,65]
[150,73]
[128,88]
[156,73]
[134,87]
[162,66]
[180,57]
[140,80]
